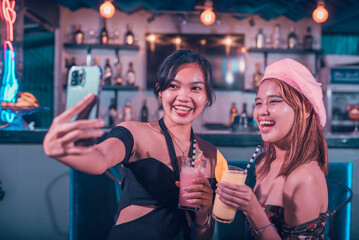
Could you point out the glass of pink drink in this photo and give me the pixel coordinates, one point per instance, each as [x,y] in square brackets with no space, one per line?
[188,173]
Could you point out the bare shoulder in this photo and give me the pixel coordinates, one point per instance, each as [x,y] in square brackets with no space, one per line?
[307,174]
[305,194]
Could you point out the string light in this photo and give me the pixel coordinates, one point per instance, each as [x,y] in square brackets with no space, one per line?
[207,16]
[107,10]
[320,14]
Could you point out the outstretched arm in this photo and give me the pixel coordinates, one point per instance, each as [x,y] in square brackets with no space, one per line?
[59,142]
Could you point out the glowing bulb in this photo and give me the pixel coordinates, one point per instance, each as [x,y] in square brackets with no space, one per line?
[107,10]
[208,17]
[151,38]
[320,14]
[228,41]
[178,40]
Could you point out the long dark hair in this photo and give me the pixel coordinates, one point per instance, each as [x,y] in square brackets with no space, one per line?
[169,66]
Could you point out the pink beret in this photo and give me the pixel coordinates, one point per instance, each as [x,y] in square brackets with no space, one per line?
[299,77]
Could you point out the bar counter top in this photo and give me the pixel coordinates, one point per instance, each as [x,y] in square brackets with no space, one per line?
[222,138]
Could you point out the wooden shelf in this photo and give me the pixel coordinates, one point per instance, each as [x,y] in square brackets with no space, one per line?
[285,51]
[101,46]
[120,88]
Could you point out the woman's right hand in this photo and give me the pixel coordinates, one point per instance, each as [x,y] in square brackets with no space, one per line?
[62,135]
[240,197]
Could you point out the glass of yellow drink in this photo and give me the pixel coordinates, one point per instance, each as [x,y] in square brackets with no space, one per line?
[222,212]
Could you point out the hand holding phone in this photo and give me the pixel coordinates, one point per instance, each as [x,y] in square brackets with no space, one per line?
[81,81]
[63,133]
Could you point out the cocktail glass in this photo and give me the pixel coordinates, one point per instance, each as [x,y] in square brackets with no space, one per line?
[190,170]
[222,212]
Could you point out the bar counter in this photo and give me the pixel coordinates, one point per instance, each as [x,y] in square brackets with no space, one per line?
[219,138]
[29,178]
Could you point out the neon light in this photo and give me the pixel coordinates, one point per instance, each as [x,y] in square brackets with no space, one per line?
[9,84]
[9,16]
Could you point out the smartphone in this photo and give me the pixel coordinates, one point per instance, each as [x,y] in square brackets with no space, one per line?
[82,80]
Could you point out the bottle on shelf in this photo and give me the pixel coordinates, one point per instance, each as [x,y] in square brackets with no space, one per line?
[144,112]
[107,73]
[276,37]
[260,39]
[308,39]
[97,64]
[129,37]
[257,75]
[78,35]
[130,77]
[243,117]
[127,111]
[104,33]
[118,71]
[233,113]
[292,39]
[112,113]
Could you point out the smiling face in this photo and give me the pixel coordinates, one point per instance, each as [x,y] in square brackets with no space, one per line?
[185,96]
[274,116]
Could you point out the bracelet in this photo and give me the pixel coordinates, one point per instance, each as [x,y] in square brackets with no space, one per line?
[207,224]
[263,228]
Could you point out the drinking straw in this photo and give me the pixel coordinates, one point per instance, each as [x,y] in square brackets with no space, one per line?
[194,152]
[252,159]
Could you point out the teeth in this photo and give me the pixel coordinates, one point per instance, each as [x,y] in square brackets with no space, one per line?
[262,123]
[182,108]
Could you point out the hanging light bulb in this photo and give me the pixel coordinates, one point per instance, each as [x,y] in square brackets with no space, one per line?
[207,16]
[107,10]
[320,14]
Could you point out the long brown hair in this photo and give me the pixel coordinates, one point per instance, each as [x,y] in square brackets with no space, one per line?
[306,139]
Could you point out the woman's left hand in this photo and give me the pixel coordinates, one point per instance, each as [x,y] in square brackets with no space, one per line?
[240,197]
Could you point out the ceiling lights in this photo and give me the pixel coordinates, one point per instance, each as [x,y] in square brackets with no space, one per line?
[107,10]
[320,14]
[207,16]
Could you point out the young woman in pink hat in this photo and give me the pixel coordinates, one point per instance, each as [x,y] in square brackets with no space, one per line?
[290,199]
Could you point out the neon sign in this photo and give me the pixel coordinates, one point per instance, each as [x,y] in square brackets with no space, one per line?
[9,83]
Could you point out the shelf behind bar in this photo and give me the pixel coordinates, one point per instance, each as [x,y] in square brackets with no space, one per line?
[120,88]
[101,46]
[282,50]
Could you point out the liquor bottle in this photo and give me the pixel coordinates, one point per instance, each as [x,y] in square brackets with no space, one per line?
[292,40]
[96,63]
[308,39]
[104,33]
[127,111]
[107,73]
[79,35]
[112,113]
[257,75]
[243,120]
[260,39]
[130,75]
[144,112]
[276,36]
[129,37]
[118,71]
[233,113]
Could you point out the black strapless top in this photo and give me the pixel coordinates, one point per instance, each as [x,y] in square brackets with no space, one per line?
[149,182]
